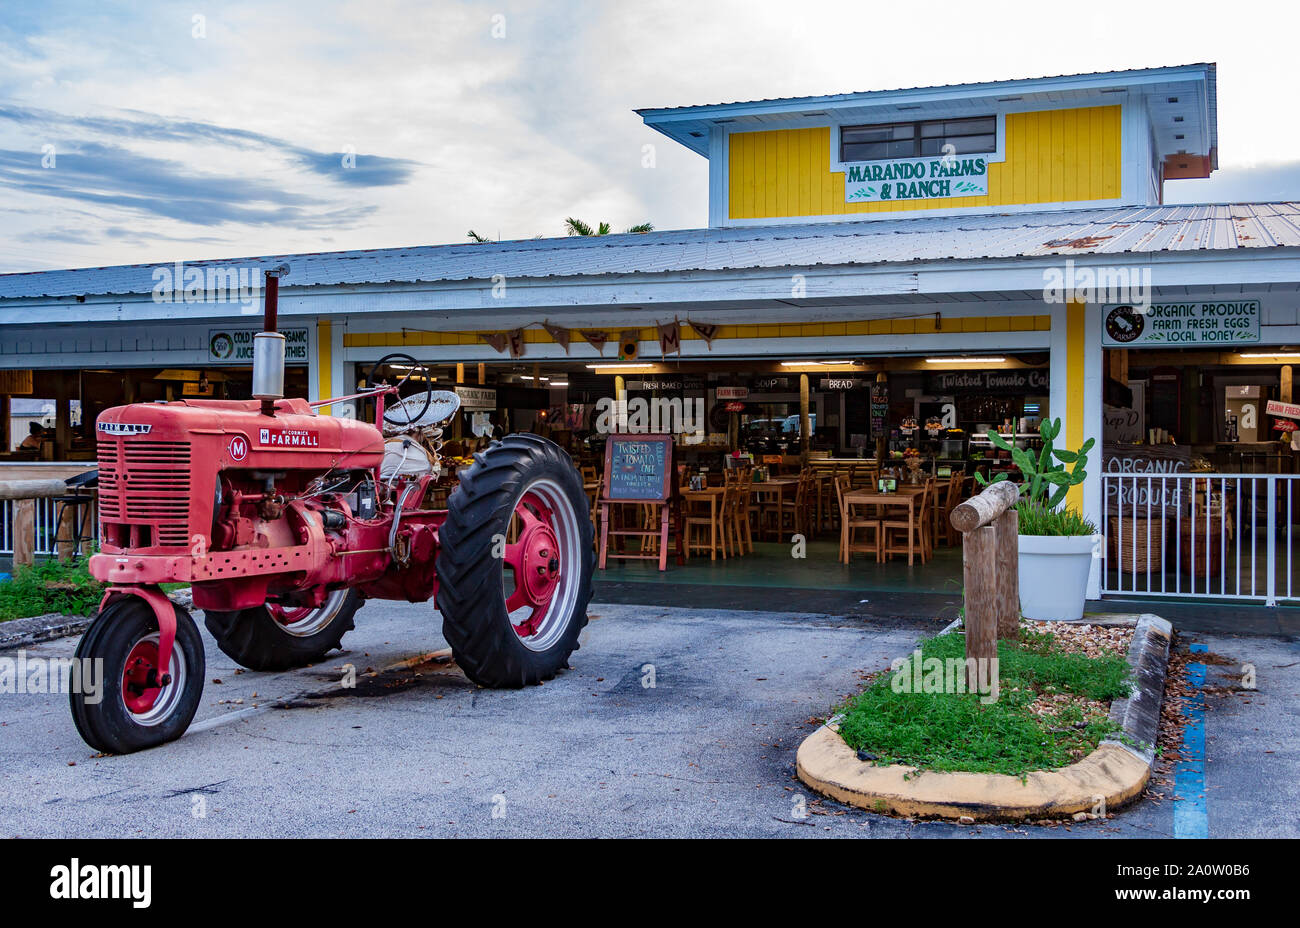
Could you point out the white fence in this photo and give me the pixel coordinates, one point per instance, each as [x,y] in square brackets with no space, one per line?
[45,526]
[1217,536]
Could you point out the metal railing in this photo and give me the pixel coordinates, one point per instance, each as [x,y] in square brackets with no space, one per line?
[45,525]
[1218,536]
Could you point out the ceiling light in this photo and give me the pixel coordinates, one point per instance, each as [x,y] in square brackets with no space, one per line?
[1289,355]
[817,363]
[964,360]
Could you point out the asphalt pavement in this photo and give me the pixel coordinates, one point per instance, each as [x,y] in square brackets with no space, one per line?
[672,722]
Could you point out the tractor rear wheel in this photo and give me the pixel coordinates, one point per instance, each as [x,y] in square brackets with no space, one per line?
[139,705]
[515,563]
[275,637]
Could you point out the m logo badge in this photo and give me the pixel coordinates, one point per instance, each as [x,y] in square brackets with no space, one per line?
[238,448]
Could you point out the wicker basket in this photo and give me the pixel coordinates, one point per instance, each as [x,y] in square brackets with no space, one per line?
[1135,556]
[1191,548]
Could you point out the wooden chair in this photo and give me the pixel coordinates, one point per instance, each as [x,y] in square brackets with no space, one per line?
[910,539]
[948,498]
[741,508]
[851,523]
[796,509]
[704,527]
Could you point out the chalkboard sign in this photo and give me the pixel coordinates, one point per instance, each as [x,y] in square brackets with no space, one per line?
[638,468]
[879,408]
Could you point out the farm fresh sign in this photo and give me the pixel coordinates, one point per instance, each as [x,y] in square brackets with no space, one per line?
[915,179]
[1209,322]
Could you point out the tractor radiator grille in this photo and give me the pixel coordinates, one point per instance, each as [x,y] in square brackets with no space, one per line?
[146,484]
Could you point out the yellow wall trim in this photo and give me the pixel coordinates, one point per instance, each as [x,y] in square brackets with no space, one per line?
[923,326]
[1075,314]
[1052,156]
[324,361]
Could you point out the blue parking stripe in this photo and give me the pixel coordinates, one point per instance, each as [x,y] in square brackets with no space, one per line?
[1191,815]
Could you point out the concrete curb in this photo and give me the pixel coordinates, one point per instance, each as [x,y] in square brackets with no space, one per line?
[23,633]
[1114,774]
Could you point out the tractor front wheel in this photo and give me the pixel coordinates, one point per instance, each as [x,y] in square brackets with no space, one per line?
[138,704]
[274,637]
[515,563]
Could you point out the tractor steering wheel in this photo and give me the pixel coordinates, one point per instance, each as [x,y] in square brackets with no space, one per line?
[406,418]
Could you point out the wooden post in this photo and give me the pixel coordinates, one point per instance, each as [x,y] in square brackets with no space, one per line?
[6,440]
[1285,391]
[990,527]
[482,373]
[805,423]
[979,576]
[24,532]
[1008,575]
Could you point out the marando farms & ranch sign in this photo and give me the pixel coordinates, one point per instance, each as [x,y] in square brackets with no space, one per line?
[915,179]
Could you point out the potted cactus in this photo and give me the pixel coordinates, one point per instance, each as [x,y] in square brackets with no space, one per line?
[1056,543]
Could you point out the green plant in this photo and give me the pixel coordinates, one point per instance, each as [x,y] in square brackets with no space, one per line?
[50,586]
[1042,473]
[1037,520]
[943,731]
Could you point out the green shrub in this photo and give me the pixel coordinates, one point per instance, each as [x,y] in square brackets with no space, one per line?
[50,586]
[1037,520]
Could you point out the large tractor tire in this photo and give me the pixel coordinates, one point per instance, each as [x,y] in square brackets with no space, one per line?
[273,637]
[134,708]
[515,563]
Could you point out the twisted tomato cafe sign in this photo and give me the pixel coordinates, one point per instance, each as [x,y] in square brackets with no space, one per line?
[915,179]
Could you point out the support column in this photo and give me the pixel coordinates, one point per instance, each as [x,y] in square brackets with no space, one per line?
[320,368]
[805,424]
[1076,399]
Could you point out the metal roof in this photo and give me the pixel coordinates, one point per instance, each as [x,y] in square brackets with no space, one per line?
[1193,86]
[1111,231]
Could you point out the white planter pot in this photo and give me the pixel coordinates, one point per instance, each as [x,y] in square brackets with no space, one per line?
[1054,576]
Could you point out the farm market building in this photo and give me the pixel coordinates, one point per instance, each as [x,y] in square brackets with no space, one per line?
[974,256]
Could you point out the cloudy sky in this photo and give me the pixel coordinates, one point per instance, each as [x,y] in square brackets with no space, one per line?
[139,132]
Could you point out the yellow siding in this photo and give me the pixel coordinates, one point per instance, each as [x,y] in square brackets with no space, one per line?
[1052,156]
[924,325]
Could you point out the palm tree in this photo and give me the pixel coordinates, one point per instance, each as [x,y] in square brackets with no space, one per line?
[578,227]
[478,239]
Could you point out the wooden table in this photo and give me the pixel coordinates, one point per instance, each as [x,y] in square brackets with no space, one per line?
[903,496]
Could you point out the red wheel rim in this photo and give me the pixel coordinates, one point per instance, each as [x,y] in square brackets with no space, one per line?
[535,559]
[287,616]
[140,687]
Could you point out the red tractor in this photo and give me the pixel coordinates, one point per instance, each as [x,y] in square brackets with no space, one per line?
[284,522]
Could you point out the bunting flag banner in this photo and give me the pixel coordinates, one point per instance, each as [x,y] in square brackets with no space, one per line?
[597,340]
[705,331]
[559,333]
[670,338]
[516,339]
[496,339]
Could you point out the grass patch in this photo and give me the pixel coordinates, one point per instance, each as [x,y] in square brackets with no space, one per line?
[1051,711]
[50,586]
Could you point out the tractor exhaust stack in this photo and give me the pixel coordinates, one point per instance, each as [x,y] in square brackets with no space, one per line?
[268,347]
